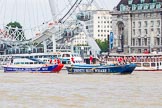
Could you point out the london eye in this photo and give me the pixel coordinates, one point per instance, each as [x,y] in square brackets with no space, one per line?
[40,25]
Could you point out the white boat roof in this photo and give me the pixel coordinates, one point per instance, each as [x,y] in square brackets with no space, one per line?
[136,54]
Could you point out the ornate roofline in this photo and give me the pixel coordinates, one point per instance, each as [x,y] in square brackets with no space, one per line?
[135,2]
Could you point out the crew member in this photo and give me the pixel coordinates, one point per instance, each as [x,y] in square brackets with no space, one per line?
[120,59]
[58,61]
[50,61]
[91,59]
[55,60]
[72,59]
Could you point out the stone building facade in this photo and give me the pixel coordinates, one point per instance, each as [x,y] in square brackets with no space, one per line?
[137,26]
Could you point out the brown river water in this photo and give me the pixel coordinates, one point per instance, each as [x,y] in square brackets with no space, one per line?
[36,90]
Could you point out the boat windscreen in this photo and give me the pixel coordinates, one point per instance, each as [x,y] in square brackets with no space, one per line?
[37,60]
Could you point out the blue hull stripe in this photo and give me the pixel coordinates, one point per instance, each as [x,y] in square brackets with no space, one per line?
[35,69]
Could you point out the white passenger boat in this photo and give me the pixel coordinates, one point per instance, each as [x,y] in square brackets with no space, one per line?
[31,65]
[144,62]
[64,57]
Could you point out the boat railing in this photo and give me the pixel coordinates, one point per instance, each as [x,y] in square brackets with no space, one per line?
[137,59]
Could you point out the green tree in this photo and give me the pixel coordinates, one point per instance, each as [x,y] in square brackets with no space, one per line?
[15,30]
[102,44]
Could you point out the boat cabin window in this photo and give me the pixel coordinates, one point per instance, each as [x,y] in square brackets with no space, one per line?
[53,56]
[153,64]
[40,56]
[45,56]
[45,60]
[146,64]
[160,59]
[157,64]
[65,62]
[36,56]
[66,55]
[31,62]
[138,64]
[59,56]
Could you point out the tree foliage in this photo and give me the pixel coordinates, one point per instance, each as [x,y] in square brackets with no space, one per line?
[16,31]
[102,44]
[14,24]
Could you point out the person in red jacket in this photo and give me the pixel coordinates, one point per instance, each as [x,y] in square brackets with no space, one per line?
[55,61]
[120,60]
[72,59]
[91,59]
[58,61]
[50,61]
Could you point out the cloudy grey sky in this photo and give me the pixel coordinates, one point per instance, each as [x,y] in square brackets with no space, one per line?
[32,13]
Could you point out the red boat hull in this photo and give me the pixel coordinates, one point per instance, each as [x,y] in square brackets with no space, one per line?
[58,68]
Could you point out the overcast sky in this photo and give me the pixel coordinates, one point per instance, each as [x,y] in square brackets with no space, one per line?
[32,13]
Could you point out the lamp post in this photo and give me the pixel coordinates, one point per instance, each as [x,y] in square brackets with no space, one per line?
[128,49]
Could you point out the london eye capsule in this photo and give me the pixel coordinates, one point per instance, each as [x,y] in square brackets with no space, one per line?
[68,33]
[83,16]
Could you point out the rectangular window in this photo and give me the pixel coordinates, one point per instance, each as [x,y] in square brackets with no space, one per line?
[133,42]
[139,50]
[158,30]
[133,24]
[153,65]
[139,42]
[134,32]
[146,31]
[146,6]
[145,24]
[152,23]
[146,64]
[158,5]
[139,24]
[157,41]
[138,64]
[145,41]
[158,23]
[134,7]
[139,31]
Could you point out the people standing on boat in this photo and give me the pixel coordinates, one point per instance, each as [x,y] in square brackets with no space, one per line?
[125,59]
[91,59]
[58,61]
[11,59]
[133,59]
[120,60]
[50,61]
[72,59]
[55,61]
